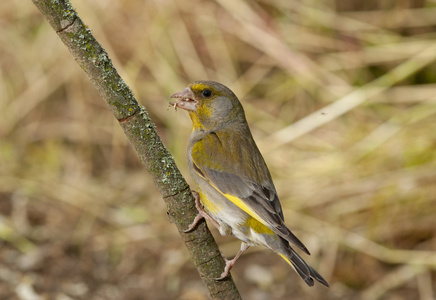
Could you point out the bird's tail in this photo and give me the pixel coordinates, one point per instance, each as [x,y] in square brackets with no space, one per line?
[306,272]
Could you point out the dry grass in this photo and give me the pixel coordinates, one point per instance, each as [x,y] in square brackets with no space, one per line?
[340,97]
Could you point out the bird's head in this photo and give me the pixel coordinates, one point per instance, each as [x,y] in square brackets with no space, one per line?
[211,105]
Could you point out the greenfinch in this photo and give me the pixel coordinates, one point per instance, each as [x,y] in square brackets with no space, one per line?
[234,188]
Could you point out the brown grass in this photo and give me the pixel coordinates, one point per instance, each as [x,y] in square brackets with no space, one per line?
[340,98]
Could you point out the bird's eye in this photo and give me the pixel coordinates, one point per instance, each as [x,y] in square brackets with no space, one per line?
[207,93]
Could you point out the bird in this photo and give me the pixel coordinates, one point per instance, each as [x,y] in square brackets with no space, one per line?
[234,189]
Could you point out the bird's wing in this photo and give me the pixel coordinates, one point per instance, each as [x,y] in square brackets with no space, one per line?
[237,170]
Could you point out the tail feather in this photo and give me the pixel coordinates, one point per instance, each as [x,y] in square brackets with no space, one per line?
[306,272]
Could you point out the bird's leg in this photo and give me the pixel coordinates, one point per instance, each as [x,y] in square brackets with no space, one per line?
[231,263]
[201,214]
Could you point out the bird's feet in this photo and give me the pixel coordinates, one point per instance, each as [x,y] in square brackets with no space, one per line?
[201,214]
[231,263]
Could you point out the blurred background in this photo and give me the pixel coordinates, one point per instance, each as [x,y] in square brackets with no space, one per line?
[340,97]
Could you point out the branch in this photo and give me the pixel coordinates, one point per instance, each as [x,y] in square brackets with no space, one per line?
[141,132]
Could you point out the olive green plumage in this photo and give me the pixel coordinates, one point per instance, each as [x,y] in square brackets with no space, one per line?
[233,182]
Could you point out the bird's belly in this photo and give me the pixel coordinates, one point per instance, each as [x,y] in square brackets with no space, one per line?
[223,211]
[233,220]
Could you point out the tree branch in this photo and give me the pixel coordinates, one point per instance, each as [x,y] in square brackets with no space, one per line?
[141,132]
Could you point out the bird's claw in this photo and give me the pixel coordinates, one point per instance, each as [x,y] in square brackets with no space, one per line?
[227,268]
[231,263]
[201,214]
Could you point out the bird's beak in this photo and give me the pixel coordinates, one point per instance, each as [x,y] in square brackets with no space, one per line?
[185,100]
